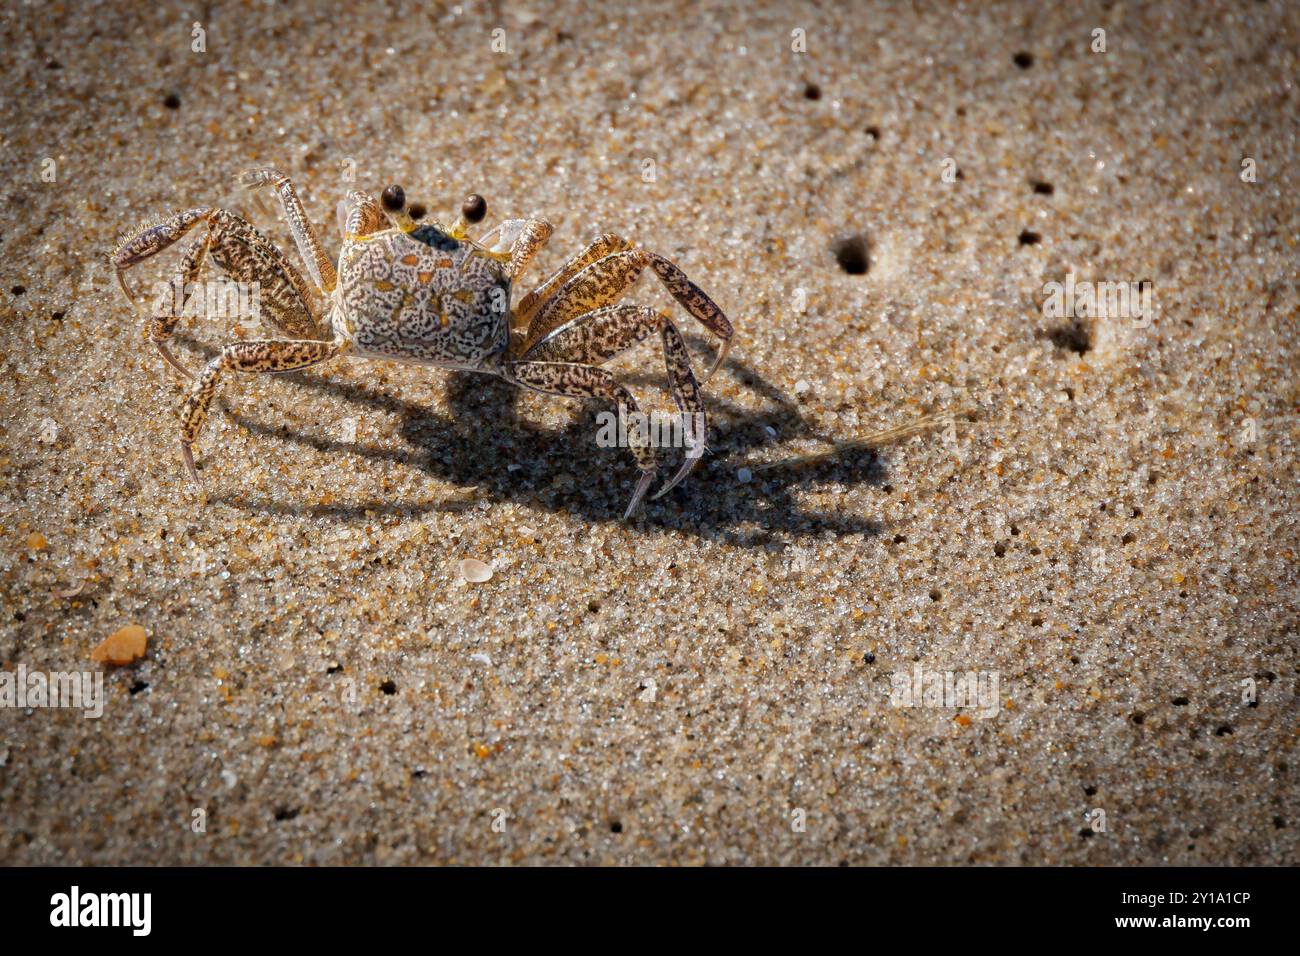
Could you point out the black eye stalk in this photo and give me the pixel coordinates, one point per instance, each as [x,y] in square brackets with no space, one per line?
[394,198]
[472,211]
[394,201]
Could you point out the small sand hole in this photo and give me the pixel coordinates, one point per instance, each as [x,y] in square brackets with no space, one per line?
[1023,60]
[1028,237]
[1042,187]
[811,91]
[1074,337]
[388,687]
[853,254]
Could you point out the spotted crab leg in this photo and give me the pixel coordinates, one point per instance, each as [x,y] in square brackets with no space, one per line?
[319,266]
[574,380]
[599,336]
[262,356]
[604,282]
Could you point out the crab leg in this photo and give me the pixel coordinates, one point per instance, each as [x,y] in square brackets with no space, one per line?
[599,336]
[572,380]
[263,356]
[319,266]
[164,320]
[607,279]
[149,240]
[598,248]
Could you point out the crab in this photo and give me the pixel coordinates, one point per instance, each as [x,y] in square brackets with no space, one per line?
[412,291]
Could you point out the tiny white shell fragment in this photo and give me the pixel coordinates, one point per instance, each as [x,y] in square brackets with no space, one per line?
[801,386]
[475,571]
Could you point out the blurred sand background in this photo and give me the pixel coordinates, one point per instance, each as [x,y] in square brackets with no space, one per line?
[1112,529]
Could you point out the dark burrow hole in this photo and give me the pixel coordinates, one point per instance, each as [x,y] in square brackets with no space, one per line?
[137,687]
[853,254]
[286,813]
[1042,187]
[1180,701]
[1090,791]
[1223,731]
[18,290]
[999,549]
[935,595]
[868,658]
[1028,237]
[900,539]
[388,687]
[615,827]
[1073,337]
[873,132]
[1138,718]
[811,91]
[1023,60]
[172,101]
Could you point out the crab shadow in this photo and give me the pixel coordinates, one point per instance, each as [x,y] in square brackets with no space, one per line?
[484,443]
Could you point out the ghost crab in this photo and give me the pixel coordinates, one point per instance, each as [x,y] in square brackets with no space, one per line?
[418,292]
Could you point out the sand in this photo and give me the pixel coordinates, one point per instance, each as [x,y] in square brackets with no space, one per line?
[1107,526]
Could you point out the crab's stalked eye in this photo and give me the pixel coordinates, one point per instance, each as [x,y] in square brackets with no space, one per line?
[393,198]
[416,210]
[474,208]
